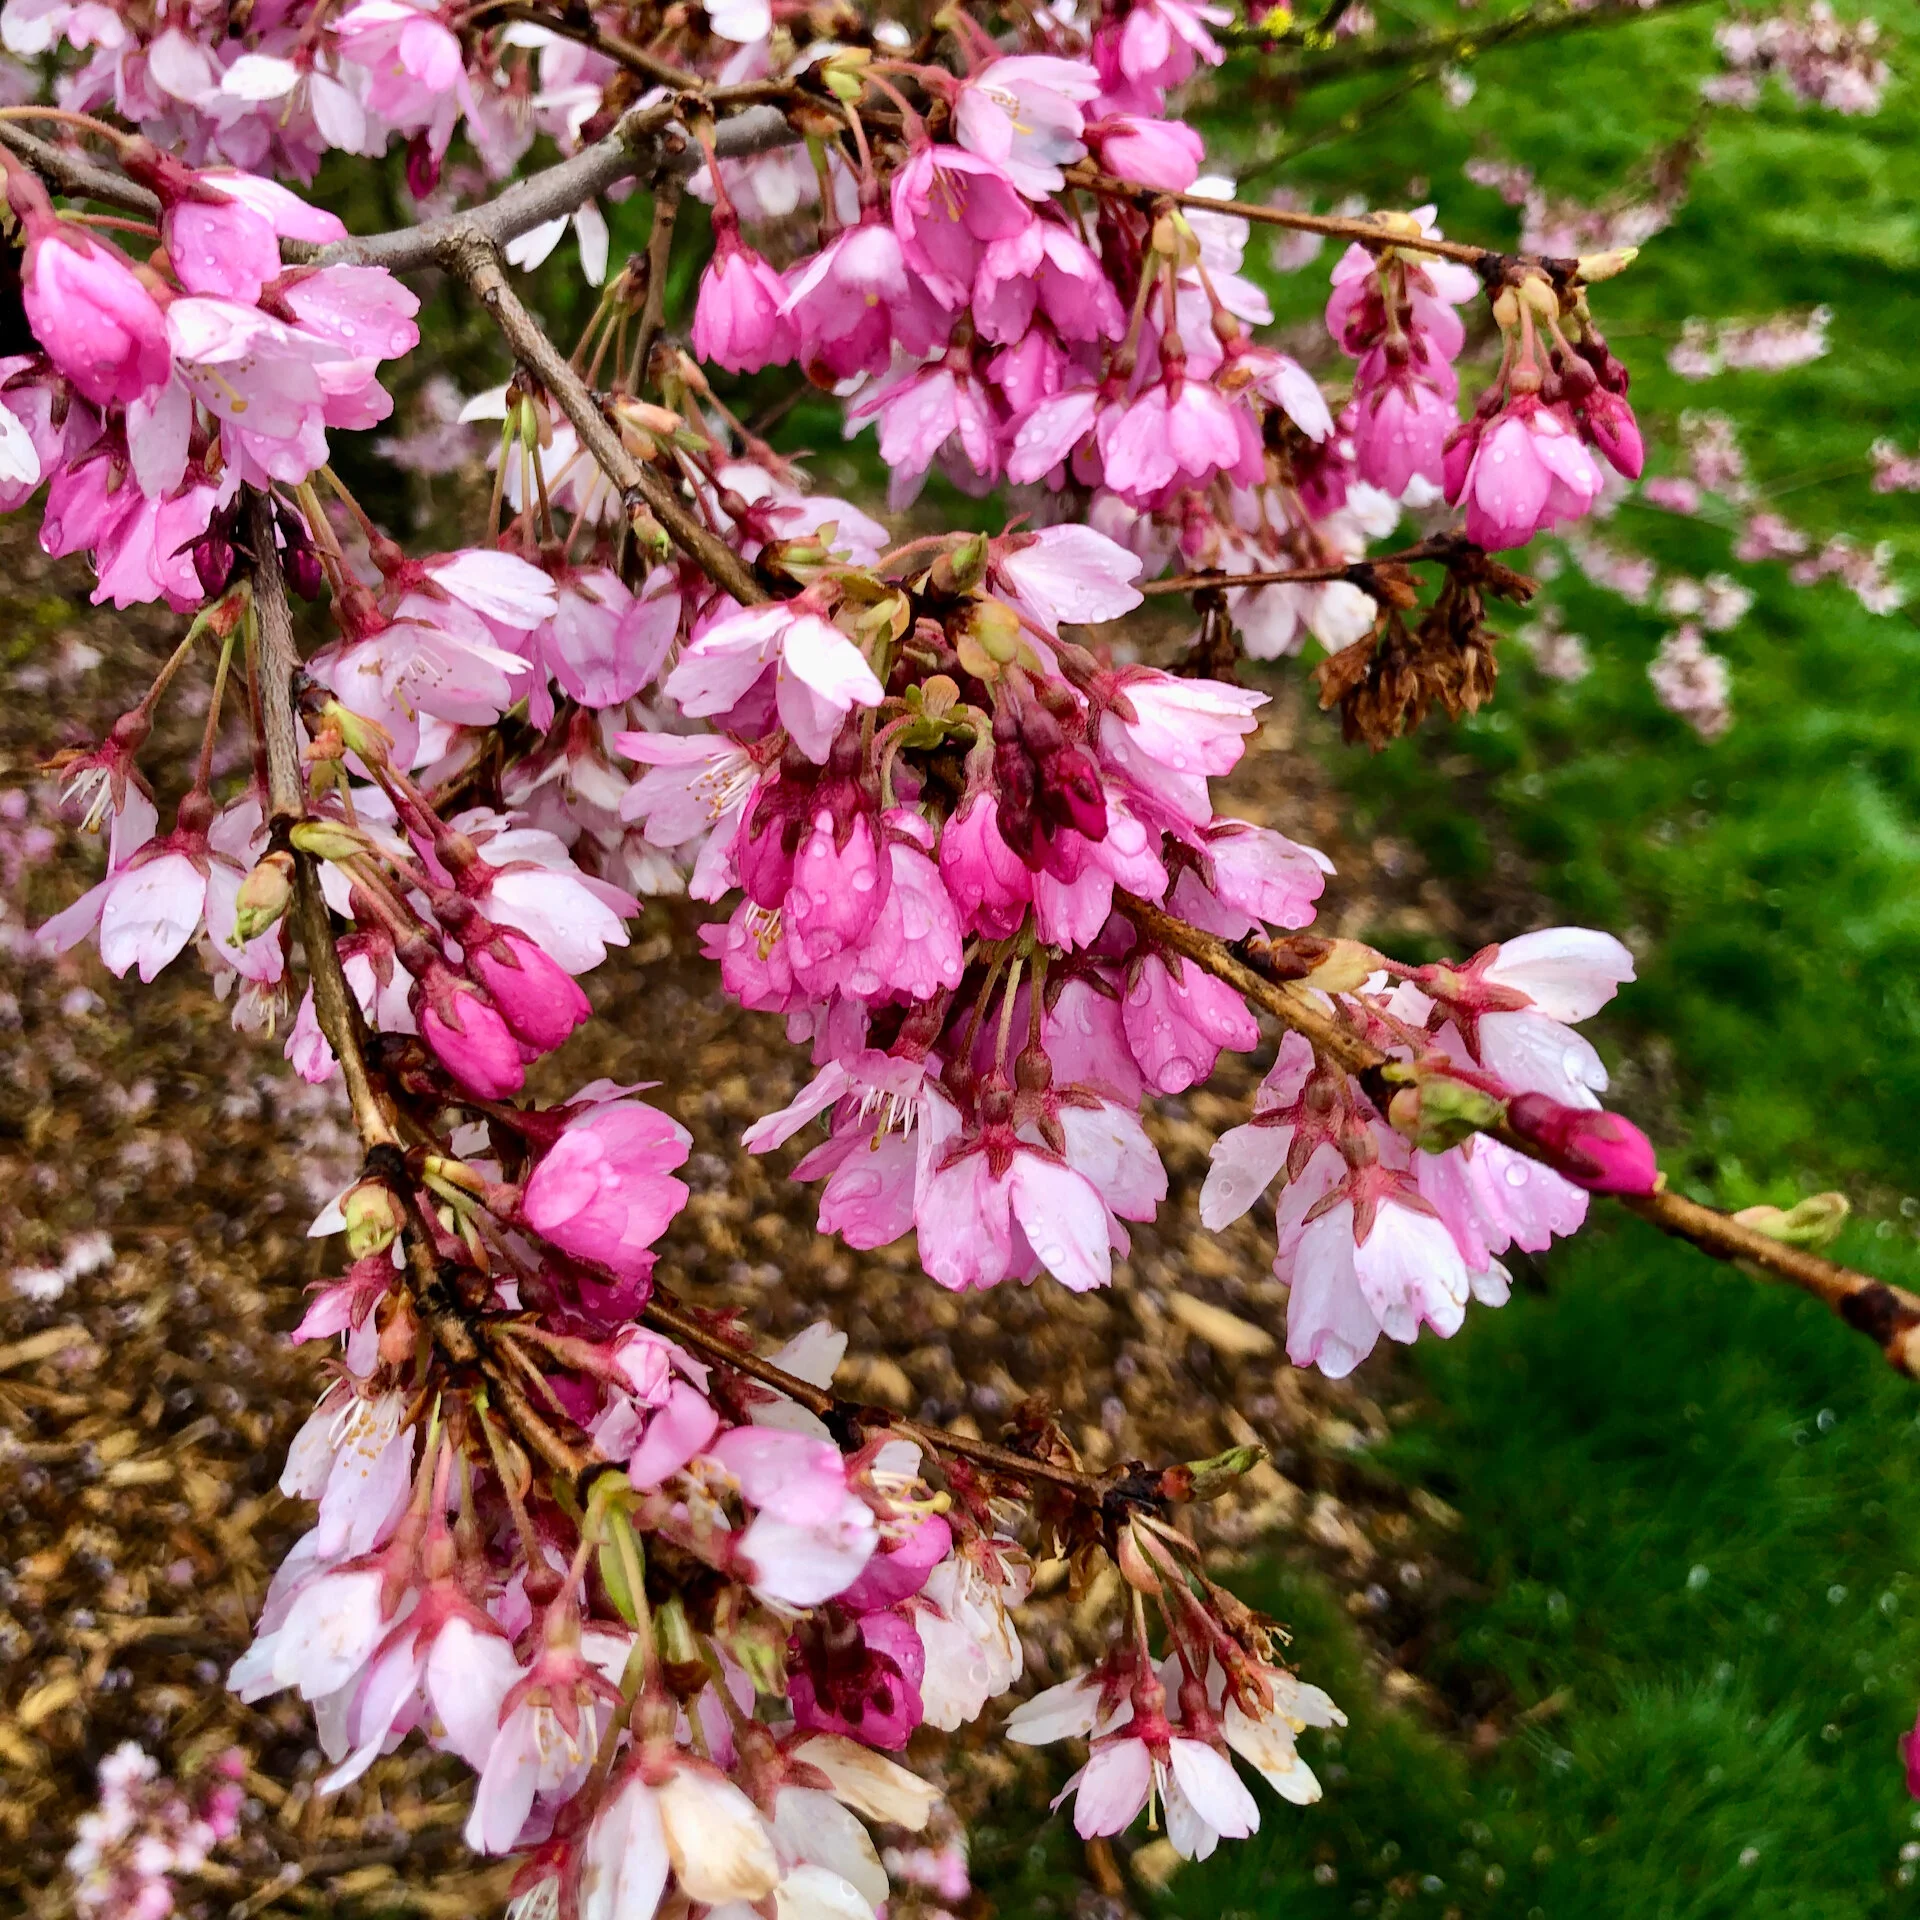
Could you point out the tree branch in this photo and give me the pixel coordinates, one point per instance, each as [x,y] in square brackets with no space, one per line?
[1888,1315]
[647,145]
[1370,230]
[67,170]
[1440,547]
[334,1006]
[674,1321]
[470,255]
[589,33]
[1457,44]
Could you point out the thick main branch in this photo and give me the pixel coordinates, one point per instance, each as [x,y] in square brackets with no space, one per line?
[646,145]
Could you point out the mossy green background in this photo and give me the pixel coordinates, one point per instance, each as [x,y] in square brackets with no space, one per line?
[1691,1503]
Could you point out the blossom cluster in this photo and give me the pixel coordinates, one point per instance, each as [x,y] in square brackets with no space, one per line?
[1819,58]
[167,384]
[144,1831]
[676,1605]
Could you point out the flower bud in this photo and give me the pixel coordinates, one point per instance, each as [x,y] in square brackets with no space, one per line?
[648,534]
[367,739]
[1438,1112]
[961,567]
[373,1218]
[1539,298]
[423,166]
[1603,266]
[938,695]
[1594,1149]
[213,559]
[1209,1479]
[1347,967]
[1814,1222]
[537,998]
[399,1331]
[1135,1568]
[305,575]
[265,894]
[330,840]
[989,637]
[466,1032]
[679,1646]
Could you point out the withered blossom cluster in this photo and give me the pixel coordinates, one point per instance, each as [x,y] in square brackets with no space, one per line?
[677,1604]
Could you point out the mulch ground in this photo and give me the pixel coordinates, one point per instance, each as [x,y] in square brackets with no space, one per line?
[157,1173]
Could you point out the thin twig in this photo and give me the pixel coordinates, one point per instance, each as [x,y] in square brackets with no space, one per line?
[590,33]
[653,315]
[470,255]
[336,1011]
[1457,45]
[68,170]
[1370,230]
[674,1321]
[1887,1315]
[334,1006]
[1439,548]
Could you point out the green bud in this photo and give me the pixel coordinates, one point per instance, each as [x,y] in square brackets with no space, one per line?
[1345,967]
[359,735]
[619,1550]
[330,840]
[649,535]
[759,1644]
[455,1175]
[373,1219]
[673,1634]
[842,74]
[961,567]
[996,628]
[1814,1222]
[265,894]
[1603,266]
[1438,1112]
[1212,1478]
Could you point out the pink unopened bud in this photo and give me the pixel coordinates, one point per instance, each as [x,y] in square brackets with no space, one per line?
[1594,1149]
[1457,456]
[538,999]
[423,166]
[473,1042]
[1615,432]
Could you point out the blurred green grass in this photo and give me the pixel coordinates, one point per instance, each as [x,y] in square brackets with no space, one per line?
[1691,1503]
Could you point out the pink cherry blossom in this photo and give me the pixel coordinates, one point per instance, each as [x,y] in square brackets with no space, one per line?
[1024,114]
[1178,1021]
[949,205]
[604,1190]
[1527,473]
[98,322]
[819,674]
[854,300]
[1153,153]
[739,319]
